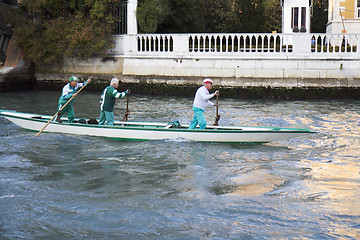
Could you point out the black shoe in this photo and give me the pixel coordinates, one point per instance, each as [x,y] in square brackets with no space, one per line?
[58,119]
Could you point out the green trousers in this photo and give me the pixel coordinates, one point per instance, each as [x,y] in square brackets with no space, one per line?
[106,118]
[68,110]
[199,118]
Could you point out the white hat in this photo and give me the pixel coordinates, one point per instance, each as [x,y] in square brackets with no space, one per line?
[207,80]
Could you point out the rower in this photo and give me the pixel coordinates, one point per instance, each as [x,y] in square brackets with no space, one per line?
[69,91]
[201,101]
[107,102]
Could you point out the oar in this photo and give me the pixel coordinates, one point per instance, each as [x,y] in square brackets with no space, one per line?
[125,118]
[217,118]
[61,109]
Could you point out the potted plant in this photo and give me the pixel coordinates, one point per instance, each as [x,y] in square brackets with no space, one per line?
[302,29]
[295,29]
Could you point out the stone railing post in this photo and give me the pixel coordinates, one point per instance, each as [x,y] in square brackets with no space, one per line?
[358,46]
[130,44]
[302,44]
[131,17]
[181,43]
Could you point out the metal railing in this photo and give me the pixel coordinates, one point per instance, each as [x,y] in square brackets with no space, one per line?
[119,12]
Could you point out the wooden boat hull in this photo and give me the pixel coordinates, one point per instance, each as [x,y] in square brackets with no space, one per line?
[156,131]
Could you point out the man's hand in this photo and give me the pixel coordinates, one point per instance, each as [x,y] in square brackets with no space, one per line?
[217,92]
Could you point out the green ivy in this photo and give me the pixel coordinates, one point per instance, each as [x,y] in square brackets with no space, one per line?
[50,31]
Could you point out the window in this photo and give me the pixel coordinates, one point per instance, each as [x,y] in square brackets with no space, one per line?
[303,17]
[298,17]
[294,17]
[358,9]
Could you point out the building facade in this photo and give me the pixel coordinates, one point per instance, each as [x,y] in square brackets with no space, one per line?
[343,17]
[294,58]
[296,16]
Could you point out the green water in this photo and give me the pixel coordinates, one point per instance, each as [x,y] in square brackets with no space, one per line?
[76,187]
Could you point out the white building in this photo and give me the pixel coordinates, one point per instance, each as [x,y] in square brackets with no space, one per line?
[296,16]
[343,17]
[287,59]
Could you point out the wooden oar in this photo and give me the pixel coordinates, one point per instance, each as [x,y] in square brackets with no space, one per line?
[125,118]
[217,118]
[61,109]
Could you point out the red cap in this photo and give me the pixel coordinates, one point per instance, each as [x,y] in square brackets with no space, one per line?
[207,80]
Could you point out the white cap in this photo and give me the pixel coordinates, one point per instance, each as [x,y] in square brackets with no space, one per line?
[207,80]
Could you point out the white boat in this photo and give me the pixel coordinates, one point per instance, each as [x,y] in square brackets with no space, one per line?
[143,131]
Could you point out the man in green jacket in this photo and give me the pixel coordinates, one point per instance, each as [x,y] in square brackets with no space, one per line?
[107,102]
[68,91]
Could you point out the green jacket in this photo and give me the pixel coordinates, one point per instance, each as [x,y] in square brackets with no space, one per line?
[108,96]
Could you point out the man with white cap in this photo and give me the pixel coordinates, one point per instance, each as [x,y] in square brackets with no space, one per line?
[107,102]
[68,91]
[201,101]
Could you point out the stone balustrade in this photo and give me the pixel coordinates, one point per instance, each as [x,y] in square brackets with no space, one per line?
[275,60]
[238,45]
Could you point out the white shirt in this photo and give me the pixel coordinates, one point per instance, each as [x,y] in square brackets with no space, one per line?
[202,97]
[67,89]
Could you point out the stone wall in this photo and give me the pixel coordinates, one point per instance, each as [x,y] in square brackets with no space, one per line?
[239,61]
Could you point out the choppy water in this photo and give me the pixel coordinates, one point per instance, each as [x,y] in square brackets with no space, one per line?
[75,187]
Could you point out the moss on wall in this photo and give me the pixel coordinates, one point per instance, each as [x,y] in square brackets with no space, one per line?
[163,89]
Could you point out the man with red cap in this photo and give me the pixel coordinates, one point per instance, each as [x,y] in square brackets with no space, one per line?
[201,101]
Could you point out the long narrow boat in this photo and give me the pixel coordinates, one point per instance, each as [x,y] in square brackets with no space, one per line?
[155,131]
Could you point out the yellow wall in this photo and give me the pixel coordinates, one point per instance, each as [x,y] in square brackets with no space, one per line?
[350,10]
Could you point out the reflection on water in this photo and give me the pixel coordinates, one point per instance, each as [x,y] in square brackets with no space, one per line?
[256,183]
[78,187]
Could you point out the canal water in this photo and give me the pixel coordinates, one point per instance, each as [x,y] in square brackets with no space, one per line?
[58,186]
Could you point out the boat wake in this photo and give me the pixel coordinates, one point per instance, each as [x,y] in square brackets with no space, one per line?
[178,140]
